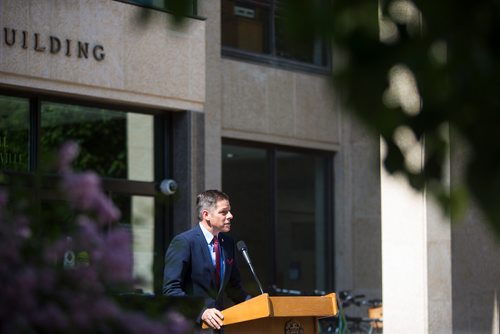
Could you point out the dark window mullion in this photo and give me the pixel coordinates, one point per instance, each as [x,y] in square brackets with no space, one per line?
[272,28]
[273,205]
[34,137]
[163,228]
[329,224]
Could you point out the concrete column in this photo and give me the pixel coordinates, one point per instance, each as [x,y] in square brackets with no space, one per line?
[213,102]
[416,259]
[188,161]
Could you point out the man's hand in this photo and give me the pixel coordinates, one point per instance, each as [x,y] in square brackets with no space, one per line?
[213,318]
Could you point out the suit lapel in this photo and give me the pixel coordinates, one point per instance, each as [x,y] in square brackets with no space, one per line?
[207,259]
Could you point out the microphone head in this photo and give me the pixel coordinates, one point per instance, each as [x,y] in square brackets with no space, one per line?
[241,246]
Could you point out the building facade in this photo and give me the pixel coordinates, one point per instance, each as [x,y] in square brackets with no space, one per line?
[224,100]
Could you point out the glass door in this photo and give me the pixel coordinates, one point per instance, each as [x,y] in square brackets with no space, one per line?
[119,146]
[127,148]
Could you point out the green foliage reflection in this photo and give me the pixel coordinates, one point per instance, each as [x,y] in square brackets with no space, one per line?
[14,133]
[100,133]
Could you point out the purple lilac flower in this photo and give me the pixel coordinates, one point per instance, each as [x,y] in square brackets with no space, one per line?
[176,323]
[86,279]
[51,316]
[67,153]
[38,295]
[139,324]
[106,210]
[82,189]
[117,256]
[4,198]
[85,193]
[106,309]
[22,226]
[88,236]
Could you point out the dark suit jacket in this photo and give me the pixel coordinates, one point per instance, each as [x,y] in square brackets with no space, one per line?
[189,269]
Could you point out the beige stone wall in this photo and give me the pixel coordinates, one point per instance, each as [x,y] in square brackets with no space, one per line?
[267,104]
[154,64]
[358,247]
[476,276]
[213,103]
[475,256]
[261,103]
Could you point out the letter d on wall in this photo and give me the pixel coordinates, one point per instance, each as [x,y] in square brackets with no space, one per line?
[55,44]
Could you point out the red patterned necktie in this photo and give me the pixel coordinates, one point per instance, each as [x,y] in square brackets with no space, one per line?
[217,261]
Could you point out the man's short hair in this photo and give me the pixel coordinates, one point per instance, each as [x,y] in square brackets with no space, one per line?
[208,200]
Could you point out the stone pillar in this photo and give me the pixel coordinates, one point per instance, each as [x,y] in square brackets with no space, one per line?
[188,161]
[416,259]
[213,103]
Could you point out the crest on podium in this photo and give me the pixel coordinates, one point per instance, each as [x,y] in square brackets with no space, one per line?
[294,327]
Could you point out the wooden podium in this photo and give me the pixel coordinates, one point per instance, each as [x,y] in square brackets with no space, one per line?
[278,315]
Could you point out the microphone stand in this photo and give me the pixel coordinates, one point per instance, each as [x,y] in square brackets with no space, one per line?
[256,278]
[243,249]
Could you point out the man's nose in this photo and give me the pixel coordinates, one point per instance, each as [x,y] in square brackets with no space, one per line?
[229,215]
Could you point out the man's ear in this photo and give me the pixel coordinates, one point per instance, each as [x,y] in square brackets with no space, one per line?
[204,214]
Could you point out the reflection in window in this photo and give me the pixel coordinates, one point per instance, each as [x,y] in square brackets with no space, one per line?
[301,220]
[259,26]
[245,26]
[115,144]
[166,4]
[140,152]
[279,200]
[112,143]
[14,133]
[138,215]
[245,180]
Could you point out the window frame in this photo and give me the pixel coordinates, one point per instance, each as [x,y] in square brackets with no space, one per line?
[193,15]
[271,150]
[40,182]
[272,59]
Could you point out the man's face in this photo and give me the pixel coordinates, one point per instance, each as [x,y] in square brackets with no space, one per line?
[220,217]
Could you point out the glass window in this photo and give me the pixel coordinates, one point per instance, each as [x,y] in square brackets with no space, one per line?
[259,27]
[279,200]
[118,145]
[245,26]
[300,225]
[112,143]
[14,133]
[307,50]
[245,180]
[138,214]
[150,3]
[190,5]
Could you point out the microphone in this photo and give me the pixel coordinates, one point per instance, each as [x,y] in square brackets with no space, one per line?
[243,249]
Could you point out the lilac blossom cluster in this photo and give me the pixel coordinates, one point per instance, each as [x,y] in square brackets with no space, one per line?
[41,295]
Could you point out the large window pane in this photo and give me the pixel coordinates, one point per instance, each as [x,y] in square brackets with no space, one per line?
[245,180]
[14,133]
[279,200]
[138,215]
[166,4]
[261,27]
[311,49]
[112,143]
[245,25]
[300,242]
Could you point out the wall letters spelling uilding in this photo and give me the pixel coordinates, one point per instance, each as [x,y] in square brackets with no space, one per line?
[52,44]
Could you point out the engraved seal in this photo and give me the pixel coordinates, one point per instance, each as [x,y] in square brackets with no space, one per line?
[293,327]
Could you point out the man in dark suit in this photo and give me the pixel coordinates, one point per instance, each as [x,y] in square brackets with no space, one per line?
[201,262]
